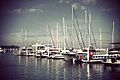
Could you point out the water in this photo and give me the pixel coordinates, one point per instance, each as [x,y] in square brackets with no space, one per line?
[29,68]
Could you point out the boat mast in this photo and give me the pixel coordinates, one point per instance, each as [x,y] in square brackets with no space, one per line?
[47,38]
[85,28]
[73,45]
[57,45]
[93,41]
[64,32]
[100,39]
[22,37]
[70,38]
[25,38]
[89,40]
[113,34]
[78,27]
[51,36]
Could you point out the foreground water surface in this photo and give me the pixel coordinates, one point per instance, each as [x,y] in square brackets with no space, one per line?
[29,68]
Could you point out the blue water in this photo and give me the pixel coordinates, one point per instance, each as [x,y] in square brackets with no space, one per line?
[29,68]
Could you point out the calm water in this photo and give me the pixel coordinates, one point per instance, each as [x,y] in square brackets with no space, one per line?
[29,68]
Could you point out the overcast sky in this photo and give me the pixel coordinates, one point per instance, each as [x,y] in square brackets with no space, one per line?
[31,17]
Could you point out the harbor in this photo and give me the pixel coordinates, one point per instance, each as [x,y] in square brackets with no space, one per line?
[59,40]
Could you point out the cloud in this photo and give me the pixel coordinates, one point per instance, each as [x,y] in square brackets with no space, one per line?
[82,7]
[18,11]
[107,9]
[86,2]
[24,11]
[60,1]
[64,1]
[21,35]
[32,10]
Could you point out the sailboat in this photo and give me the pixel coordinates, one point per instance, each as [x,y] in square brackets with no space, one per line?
[91,51]
[86,54]
[68,54]
[114,51]
[115,45]
[26,50]
[112,55]
[54,52]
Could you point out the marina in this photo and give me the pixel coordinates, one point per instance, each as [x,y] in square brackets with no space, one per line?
[59,40]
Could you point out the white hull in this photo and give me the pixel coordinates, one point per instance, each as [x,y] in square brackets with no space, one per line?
[69,56]
[37,55]
[30,54]
[56,56]
[45,55]
[109,61]
[92,61]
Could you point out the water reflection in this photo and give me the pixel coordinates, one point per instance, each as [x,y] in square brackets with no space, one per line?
[30,68]
[50,69]
[111,72]
[88,71]
[19,60]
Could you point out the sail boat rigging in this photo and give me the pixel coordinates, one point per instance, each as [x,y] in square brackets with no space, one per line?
[92,32]
[70,38]
[79,29]
[51,36]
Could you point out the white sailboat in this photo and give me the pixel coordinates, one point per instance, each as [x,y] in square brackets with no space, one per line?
[89,51]
[54,53]
[100,49]
[114,51]
[112,55]
[27,50]
[68,55]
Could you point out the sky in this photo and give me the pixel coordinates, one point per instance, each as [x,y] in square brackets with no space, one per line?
[26,21]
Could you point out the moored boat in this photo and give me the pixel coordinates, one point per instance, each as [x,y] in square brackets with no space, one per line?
[39,49]
[26,51]
[1,50]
